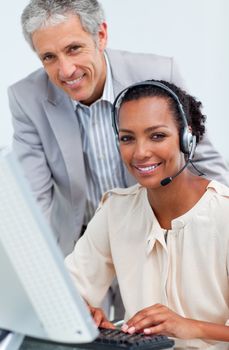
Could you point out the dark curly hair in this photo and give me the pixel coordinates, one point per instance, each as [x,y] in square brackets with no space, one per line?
[191,107]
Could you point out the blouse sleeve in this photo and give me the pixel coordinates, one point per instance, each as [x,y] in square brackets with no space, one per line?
[90,264]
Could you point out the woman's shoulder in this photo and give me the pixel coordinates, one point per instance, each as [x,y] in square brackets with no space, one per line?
[121,195]
[128,191]
[218,188]
[218,199]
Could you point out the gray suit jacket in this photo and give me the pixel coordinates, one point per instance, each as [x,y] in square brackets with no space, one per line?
[48,144]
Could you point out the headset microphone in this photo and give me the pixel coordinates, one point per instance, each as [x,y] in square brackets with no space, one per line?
[169,179]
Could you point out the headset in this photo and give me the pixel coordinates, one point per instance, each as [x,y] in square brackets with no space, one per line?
[186,138]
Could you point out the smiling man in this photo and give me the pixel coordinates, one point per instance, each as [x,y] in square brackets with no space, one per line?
[62,112]
[72,59]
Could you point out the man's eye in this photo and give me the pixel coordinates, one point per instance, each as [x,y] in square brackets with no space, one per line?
[47,58]
[74,48]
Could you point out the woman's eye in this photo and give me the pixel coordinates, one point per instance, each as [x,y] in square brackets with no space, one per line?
[125,138]
[157,137]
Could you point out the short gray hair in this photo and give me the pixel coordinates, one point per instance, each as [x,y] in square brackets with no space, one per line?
[43,13]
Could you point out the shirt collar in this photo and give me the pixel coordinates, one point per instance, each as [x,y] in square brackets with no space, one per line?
[108,91]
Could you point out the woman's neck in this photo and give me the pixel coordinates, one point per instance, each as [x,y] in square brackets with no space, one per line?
[176,198]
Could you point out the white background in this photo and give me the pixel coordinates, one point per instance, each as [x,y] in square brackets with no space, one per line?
[196,32]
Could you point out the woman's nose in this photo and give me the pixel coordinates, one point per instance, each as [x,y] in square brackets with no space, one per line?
[142,150]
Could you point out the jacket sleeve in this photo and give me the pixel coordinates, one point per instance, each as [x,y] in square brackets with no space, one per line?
[207,159]
[28,147]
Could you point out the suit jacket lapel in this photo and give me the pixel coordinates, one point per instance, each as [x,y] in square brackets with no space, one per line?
[62,118]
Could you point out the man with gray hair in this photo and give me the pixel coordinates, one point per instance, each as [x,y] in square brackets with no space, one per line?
[62,112]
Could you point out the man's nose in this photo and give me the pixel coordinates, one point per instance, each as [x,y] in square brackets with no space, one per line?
[66,68]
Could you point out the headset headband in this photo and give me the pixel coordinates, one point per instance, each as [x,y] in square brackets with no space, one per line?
[120,96]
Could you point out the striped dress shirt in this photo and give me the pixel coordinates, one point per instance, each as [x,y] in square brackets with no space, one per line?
[103,165]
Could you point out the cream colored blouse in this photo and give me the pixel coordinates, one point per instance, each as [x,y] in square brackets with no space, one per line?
[188,273]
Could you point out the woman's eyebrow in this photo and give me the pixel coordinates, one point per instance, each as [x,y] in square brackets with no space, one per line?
[151,128]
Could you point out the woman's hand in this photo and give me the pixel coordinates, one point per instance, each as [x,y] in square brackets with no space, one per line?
[99,317]
[159,319]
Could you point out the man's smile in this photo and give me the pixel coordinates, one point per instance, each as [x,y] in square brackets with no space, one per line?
[74,81]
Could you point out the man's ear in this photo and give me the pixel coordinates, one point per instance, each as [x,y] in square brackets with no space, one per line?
[102,36]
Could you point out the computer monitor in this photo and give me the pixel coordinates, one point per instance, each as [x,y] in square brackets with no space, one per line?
[38,297]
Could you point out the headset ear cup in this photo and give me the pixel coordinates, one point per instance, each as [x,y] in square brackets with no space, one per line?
[186,140]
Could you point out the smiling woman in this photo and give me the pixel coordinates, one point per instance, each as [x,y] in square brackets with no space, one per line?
[149,140]
[158,126]
[152,119]
[172,229]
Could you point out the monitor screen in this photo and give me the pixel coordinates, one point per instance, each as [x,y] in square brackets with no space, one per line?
[38,297]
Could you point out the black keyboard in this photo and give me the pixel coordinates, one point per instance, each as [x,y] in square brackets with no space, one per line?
[112,339]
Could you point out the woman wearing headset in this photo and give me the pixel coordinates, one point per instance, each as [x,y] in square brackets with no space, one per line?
[166,238]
